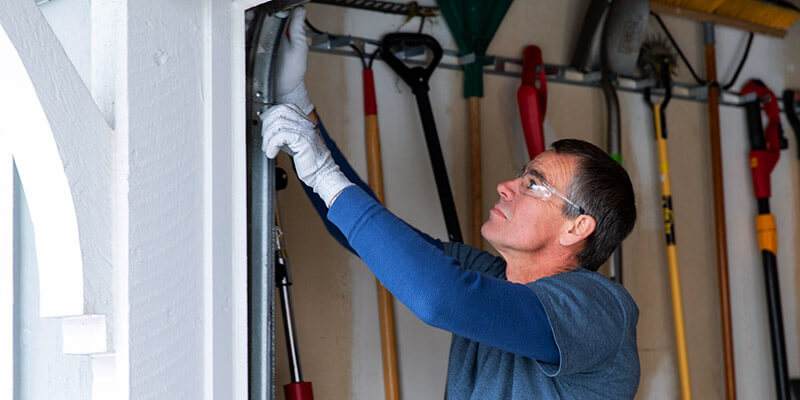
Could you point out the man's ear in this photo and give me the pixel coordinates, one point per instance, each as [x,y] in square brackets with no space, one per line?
[576,230]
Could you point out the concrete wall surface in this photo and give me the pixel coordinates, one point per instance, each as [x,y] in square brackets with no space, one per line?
[334,292]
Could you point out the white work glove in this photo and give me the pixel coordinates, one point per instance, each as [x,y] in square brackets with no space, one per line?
[287,128]
[291,64]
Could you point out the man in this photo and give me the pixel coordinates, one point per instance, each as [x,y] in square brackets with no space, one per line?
[537,322]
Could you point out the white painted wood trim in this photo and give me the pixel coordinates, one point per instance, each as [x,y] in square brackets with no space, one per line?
[225,280]
[6,269]
[42,173]
[84,334]
[71,129]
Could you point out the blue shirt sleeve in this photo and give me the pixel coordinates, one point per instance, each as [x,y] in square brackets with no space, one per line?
[352,175]
[502,314]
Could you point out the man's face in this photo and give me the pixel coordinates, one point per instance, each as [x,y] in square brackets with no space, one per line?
[520,222]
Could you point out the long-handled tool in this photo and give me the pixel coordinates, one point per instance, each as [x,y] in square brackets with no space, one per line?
[615,151]
[657,61]
[623,33]
[532,99]
[417,78]
[375,178]
[610,39]
[719,211]
[473,23]
[297,389]
[765,149]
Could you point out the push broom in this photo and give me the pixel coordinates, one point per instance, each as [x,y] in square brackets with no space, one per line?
[473,23]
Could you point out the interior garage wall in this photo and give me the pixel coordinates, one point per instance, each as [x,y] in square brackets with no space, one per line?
[334,293]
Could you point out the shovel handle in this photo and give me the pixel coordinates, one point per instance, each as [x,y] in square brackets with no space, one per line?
[416,77]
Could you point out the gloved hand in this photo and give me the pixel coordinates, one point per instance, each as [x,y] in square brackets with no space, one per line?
[291,64]
[287,128]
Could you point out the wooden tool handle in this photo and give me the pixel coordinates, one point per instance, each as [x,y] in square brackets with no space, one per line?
[385,300]
[475,171]
[719,218]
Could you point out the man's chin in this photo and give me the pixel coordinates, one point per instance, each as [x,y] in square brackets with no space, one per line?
[486,232]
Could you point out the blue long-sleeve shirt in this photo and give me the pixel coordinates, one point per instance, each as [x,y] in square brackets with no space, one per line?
[571,335]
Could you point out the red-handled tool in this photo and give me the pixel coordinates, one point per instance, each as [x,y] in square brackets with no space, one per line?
[391,382]
[766,143]
[765,149]
[532,99]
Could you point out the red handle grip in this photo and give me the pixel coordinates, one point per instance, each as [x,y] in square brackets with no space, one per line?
[532,99]
[370,104]
[298,391]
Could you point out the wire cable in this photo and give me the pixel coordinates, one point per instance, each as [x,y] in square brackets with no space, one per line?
[741,63]
[675,45]
[691,70]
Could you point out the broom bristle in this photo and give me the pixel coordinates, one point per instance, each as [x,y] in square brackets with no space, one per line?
[752,11]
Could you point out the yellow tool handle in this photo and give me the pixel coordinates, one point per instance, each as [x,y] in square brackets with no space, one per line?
[391,382]
[672,256]
[680,330]
[663,160]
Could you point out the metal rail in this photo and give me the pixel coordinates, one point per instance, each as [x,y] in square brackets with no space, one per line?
[261,52]
[335,44]
[411,9]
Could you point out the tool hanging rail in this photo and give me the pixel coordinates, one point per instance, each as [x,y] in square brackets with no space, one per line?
[506,66]
[390,7]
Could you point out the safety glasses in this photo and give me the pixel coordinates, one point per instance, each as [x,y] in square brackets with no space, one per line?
[532,184]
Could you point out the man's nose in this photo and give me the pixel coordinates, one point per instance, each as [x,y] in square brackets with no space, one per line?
[506,189]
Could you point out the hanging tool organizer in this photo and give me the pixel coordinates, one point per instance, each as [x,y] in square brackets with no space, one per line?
[339,44]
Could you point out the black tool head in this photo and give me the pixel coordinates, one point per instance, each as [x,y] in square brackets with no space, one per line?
[656,56]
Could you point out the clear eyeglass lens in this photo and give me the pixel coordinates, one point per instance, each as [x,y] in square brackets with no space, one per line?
[540,192]
[529,186]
